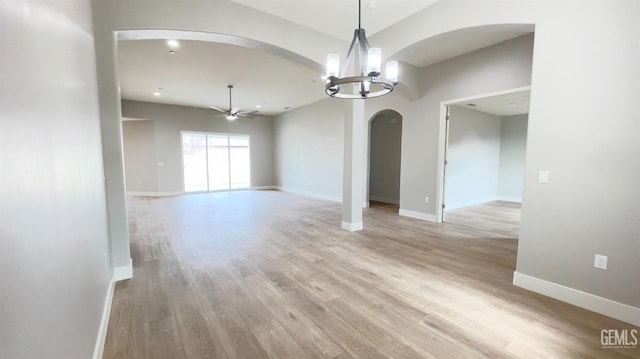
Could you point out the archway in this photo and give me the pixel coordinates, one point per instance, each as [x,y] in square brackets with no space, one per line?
[383,174]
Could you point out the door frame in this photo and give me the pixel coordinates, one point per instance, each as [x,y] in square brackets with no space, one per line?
[443,140]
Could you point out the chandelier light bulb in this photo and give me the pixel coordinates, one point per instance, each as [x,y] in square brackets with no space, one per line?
[374,61]
[391,72]
[333,65]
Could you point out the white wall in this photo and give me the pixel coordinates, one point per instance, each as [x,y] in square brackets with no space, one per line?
[513,149]
[53,221]
[309,149]
[384,158]
[140,164]
[169,120]
[473,156]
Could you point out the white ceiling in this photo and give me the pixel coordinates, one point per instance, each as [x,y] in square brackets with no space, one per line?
[199,72]
[339,18]
[455,43]
[509,104]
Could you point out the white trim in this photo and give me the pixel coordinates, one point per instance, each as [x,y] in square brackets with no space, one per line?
[470,203]
[509,199]
[263,188]
[384,199]
[417,215]
[608,307]
[123,272]
[352,227]
[104,322]
[310,194]
[155,194]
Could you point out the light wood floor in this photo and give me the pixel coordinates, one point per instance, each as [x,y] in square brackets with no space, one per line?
[270,274]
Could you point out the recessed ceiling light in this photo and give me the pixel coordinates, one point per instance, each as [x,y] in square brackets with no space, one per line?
[172,52]
[471,105]
[287,107]
[174,44]
[157,93]
[258,106]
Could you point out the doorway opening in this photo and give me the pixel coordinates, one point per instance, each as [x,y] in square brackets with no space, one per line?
[484,150]
[385,146]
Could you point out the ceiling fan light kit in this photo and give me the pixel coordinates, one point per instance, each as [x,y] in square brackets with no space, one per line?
[369,83]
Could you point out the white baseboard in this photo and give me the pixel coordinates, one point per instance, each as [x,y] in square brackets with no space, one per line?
[384,199]
[264,188]
[123,272]
[104,322]
[608,307]
[509,199]
[470,203]
[310,194]
[352,227]
[155,194]
[417,215]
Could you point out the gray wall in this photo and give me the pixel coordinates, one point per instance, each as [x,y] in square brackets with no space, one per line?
[169,120]
[473,156]
[384,158]
[53,222]
[140,165]
[503,66]
[309,149]
[513,148]
[583,129]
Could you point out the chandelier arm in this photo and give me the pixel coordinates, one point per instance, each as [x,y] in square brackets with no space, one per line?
[363,45]
[347,61]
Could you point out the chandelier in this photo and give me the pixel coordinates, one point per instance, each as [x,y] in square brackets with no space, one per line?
[369,82]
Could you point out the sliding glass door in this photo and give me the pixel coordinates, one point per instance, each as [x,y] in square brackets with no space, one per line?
[215,162]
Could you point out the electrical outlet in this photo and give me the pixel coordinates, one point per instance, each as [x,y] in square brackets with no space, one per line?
[426,200]
[600,261]
[543,176]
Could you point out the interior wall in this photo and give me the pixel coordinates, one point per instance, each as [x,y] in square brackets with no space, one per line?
[473,158]
[384,158]
[513,149]
[309,149]
[140,164]
[169,120]
[54,245]
[583,129]
[499,67]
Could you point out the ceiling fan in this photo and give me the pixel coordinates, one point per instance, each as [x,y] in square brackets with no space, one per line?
[233,113]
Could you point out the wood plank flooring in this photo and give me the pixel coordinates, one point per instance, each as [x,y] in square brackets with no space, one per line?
[269,274]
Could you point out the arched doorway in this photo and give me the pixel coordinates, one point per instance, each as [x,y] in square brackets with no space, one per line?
[385,144]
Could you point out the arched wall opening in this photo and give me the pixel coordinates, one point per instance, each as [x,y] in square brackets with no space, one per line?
[383,158]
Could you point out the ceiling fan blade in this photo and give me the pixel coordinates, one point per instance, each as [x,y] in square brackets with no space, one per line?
[247,112]
[217,109]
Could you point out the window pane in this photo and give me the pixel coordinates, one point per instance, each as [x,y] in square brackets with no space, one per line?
[240,172]
[218,163]
[239,141]
[194,156]
[217,140]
